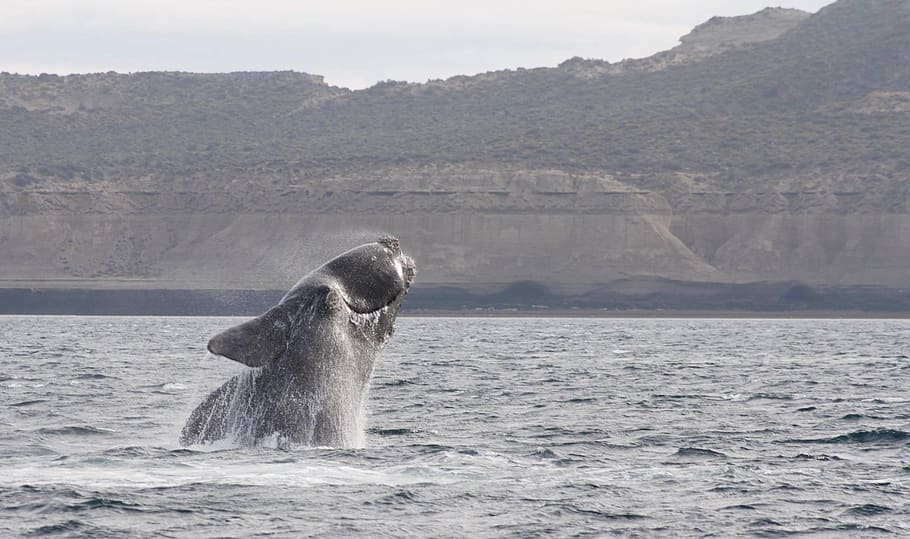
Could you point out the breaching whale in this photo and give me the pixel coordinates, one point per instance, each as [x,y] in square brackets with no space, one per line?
[311,356]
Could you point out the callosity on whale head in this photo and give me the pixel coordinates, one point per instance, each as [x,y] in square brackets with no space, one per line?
[369,279]
[315,352]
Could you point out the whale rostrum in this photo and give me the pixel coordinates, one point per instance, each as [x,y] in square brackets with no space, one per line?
[311,356]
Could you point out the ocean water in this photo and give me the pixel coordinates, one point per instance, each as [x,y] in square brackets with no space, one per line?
[476,428]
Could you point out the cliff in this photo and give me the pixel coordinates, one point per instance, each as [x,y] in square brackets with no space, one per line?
[771,147]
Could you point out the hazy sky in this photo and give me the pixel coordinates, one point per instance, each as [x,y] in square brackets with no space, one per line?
[353,43]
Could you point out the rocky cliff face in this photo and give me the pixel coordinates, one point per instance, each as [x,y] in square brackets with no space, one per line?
[465,225]
[767,147]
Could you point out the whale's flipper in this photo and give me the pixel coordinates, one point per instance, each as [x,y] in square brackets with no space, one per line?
[257,342]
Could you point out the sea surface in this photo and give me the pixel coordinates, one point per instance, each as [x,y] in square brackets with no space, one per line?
[495,427]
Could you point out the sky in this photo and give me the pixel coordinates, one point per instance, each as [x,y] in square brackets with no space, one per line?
[353,43]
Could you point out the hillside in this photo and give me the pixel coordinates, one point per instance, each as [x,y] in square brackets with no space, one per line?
[769,147]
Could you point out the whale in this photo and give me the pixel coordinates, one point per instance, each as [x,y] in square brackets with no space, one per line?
[310,358]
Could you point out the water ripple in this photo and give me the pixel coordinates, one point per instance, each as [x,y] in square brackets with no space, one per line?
[477,427]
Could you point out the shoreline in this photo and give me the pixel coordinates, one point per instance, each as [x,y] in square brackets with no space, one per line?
[757,301]
[663,313]
[590,314]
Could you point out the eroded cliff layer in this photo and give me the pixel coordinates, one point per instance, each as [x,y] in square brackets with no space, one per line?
[464,225]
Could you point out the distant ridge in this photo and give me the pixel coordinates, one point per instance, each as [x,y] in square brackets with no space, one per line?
[716,36]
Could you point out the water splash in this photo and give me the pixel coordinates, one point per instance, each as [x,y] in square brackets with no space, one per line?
[231,414]
[248,420]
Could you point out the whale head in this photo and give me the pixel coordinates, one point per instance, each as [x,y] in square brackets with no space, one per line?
[367,278]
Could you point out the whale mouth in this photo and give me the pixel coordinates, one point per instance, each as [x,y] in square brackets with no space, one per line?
[410,272]
[357,310]
[406,272]
[395,299]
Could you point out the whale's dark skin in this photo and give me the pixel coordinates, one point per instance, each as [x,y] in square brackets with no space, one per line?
[311,355]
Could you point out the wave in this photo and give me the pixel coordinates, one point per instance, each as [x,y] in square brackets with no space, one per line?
[580,400]
[93,503]
[698,452]
[868,510]
[876,436]
[396,383]
[70,526]
[857,417]
[772,396]
[27,403]
[401,497]
[853,530]
[740,507]
[75,430]
[546,453]
[166,388]
[594,512]
[393,432]
[95,376]
[822,457]
[151,451]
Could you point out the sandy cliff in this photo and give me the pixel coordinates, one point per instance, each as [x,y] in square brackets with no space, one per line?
[465,225]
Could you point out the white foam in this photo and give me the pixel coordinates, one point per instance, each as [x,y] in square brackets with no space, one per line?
[94,473]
